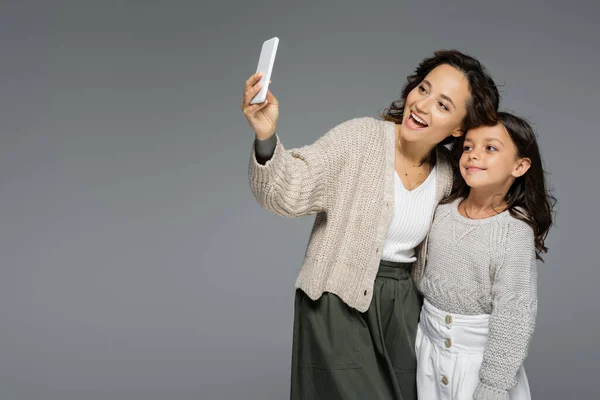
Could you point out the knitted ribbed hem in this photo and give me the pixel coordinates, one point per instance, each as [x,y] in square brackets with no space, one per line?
[486,392]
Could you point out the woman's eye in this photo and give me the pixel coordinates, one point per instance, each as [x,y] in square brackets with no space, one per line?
[491,148]
[422,89]
[443,106]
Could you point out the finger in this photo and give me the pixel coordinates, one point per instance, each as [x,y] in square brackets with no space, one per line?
[254,78]
[251,83]
[250,93]
[251,110]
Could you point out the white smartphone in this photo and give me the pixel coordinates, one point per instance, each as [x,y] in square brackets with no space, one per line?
[265,65]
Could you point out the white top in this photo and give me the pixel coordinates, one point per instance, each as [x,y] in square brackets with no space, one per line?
[413,212]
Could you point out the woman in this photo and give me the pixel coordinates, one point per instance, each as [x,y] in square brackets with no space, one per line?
[373,186]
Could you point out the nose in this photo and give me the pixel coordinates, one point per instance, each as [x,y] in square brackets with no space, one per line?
[423,105]
[474,154]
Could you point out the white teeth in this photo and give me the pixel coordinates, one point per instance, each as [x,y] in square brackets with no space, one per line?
[418,119]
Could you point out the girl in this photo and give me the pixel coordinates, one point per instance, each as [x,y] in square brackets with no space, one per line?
[480,282]
[373,186]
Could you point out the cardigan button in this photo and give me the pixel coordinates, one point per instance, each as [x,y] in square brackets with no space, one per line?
[365,293]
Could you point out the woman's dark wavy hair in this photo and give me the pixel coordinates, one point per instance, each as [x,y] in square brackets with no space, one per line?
[529,198]
[484,100]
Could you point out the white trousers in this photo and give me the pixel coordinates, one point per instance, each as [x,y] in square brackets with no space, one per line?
[449,351]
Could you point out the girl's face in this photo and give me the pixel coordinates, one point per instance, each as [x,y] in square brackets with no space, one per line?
[435,109]
[490,159]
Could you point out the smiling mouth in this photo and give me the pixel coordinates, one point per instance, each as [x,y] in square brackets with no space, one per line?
[474,169]
[416,121]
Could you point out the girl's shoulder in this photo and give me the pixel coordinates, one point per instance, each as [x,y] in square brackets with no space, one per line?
[518,228]
[513,237]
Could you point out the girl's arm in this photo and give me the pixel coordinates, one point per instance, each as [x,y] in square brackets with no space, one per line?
[514,309]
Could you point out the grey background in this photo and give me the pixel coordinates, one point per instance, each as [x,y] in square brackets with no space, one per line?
[129,261]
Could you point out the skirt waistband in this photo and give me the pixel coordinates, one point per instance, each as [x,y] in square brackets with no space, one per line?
[454,332]
[394,270]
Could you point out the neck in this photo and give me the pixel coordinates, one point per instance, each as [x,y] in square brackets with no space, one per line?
[413,152]
[481,200]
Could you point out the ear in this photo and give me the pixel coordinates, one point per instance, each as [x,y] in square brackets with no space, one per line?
[522,167]
[457,132]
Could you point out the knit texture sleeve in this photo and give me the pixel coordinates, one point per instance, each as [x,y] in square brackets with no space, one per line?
[514,310]
[295,182]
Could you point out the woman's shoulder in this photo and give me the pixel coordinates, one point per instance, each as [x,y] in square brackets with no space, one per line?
[445,169]
[444,158]
[357,134]
[365,126]
[446,208]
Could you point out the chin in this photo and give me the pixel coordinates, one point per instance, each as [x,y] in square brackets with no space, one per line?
[473,182]
[411,135]
[410,138]
[479,184]
[475,185]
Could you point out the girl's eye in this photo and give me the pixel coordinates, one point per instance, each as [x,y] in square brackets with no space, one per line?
[443,106]
[491,148]
[466,148]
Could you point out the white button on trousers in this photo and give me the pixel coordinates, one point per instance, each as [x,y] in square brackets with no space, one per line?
[449,351]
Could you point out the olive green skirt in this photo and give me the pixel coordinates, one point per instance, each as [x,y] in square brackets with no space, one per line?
[341,353]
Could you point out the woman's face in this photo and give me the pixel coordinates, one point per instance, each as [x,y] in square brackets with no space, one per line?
[435,109]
